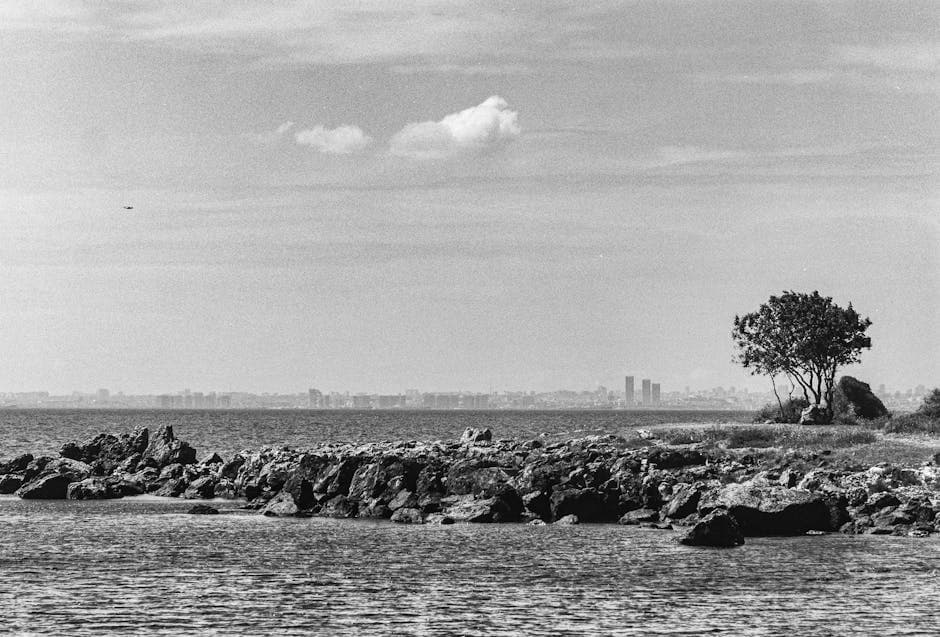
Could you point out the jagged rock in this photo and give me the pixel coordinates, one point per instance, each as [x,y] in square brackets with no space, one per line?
[281,506]
[96,488]
[35,467]
[230,469]
[212,458]
[335,480]
[718,528]
[466,508]
[880,501]
[639,516]
[170,488]
[165,449]
[855,398]
[17,464]
[469,477]
[684,502]
[51,486]
[770,510]
[537,522]
[202,509]
[10,482]
[405,499]
[675,458]
[407,515]
[538,503]
[75,470]
[568,520]
[200,489]
[471,435]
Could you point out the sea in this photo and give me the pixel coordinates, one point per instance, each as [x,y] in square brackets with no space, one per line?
[142,566]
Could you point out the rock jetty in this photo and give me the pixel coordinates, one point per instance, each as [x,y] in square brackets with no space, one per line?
[716,496]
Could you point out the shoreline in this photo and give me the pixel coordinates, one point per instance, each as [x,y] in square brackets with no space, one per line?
[718,495]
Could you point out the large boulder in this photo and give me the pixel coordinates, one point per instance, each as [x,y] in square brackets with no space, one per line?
[281,506]
[587,504]
[164,449]
[472,436]
[854,398]
[684,502]
[201,489]
[17,464]
[474,476]
[408,516]
[10,482]
[105,452]
[718,528]
[50,486]
[770,510]
[504,507]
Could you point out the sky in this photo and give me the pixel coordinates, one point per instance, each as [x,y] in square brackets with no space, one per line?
[376,196]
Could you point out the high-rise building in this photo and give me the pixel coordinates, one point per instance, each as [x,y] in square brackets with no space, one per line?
[629,392]
[103,396]
[314,399]
[657,399]
[647,392]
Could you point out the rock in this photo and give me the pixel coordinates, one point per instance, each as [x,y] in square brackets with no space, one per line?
[814,415]
[438,518]
[202,509]
[96,488]
[854,398]
[770,510]
[568,520]
[50,486]
[466,508]
[538,503]
[165,449]
[586,504]
[675,458]
[684,502]
[468,477]
[71,450]
[639,516]
[200,489]
[472,436]
[10,482]
[880,501]
[75,470]
[408,515]
[339,507]
[280,506]
[336,478]
[212,458]
[171,488]
[17,464]
[718,529]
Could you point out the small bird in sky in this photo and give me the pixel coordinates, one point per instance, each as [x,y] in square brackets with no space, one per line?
[128,207]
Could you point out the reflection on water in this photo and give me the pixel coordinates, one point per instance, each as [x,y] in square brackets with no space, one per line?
[142,565]
[44,431]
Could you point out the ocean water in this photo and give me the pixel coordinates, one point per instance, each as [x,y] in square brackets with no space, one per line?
[226,432]
[142,566]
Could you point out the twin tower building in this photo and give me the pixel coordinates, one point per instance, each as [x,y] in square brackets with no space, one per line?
[649,397]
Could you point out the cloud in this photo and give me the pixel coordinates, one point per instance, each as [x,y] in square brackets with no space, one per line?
[477,128]
[271,136]
[914,56]
[679,155]
[459,69]
[342,140]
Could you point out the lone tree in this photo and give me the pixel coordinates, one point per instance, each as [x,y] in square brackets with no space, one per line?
[804,337]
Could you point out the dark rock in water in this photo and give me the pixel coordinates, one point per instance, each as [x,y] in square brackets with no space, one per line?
[17,464]
[165,449]
[718,528]
[568,520]
[466,508]
[814,415]
[10,482]
[770,510]
[202,509]
[230,468]
[408,516]
[337,478]
[405,499]
[639,516]
[75,470]
[35,467]
[469,476]
[200,489]
[71,450]
[281,506]
[852,397]
[51,486]
[471,435]
[587,504]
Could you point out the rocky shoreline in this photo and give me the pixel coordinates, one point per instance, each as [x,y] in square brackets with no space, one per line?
[716,496]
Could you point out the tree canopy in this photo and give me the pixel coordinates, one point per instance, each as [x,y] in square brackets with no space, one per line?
[805,337]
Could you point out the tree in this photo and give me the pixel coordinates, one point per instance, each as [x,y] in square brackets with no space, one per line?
[931,405]
[804,337]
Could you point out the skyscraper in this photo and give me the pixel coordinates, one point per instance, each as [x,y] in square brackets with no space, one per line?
[647,392]
[656,394]
[629,392]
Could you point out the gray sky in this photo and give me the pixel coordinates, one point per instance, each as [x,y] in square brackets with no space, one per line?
[457,195]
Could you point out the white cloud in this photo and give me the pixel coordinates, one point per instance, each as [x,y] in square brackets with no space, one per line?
[797,77]
[477,128]
[342,140]
[459,69]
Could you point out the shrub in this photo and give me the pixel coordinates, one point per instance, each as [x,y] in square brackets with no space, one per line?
[854,398]
[913,423]
[790,414]
[751,437]
[931,405]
